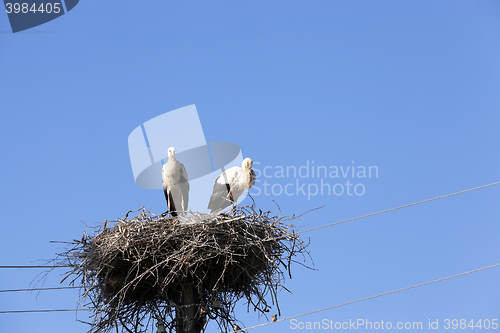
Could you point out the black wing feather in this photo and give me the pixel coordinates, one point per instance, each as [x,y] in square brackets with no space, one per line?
[221,197]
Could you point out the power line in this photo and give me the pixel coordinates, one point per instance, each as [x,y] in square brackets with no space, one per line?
[42,311]
[367,298]
[37,289]
[296,316]
[304,314]
[326,225]
[390,210]
[34,266]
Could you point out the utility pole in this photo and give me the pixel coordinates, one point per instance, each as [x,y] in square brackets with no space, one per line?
[187,315]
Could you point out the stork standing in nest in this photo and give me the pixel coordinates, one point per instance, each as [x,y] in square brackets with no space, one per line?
[175,184]
[231,184]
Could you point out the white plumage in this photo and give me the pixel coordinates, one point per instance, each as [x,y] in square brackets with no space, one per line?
[231,184]
[175,184]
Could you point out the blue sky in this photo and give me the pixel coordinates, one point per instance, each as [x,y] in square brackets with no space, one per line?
[409,87]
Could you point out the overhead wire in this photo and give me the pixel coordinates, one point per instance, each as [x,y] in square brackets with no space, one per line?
[299,315]
[42,311]
[36,289]
[34,266]
[303,231]
[396,208]
[371,297]
[323,226]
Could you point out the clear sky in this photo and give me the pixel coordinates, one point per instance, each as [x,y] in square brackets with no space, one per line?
[410,87]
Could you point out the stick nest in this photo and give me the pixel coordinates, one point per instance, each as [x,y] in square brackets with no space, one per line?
[137,271]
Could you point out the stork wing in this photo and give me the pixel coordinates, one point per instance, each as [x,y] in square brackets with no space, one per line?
[228,176]
[184,186]
[253,177]
[164,176]
[221,197]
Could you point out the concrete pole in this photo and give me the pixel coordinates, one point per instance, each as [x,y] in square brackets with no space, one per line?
[186,317]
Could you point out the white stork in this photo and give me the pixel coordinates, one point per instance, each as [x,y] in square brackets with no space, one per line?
[175,184]
[231,184]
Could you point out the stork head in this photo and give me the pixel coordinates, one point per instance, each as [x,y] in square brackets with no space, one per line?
[171,152]
[247,163]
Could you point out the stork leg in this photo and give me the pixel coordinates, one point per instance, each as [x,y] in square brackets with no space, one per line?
[166,198]
[233,210]
[170,203]
[230,196]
